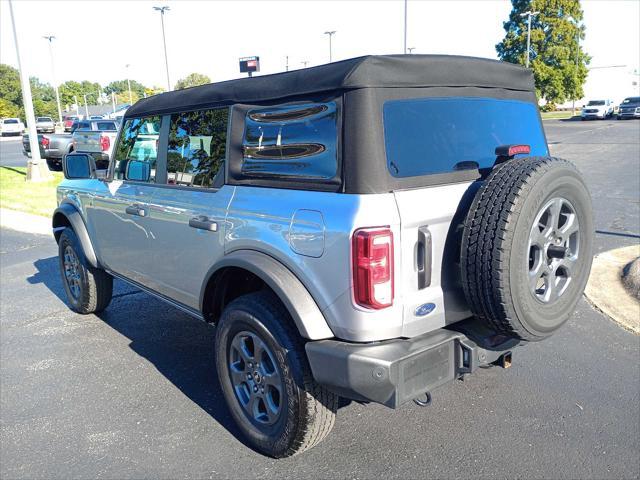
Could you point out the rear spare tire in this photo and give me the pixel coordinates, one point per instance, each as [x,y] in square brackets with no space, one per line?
[527,246]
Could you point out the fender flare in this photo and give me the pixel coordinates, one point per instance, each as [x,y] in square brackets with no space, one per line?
[71,213]
[304,311]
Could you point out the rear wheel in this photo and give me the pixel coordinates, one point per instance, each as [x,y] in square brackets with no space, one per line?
[527,246]
[266,379]
[88,289]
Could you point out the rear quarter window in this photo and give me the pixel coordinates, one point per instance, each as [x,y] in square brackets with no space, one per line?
[442,135]
[293,141]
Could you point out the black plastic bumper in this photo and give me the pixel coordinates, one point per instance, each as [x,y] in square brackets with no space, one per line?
[394,372]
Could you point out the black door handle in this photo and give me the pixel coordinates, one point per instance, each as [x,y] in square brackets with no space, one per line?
[202,222]
[424,259]
[136,210]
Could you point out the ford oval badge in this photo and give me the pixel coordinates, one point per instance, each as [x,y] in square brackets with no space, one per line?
[425,309]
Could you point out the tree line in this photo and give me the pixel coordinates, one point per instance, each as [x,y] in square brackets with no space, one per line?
[44,95]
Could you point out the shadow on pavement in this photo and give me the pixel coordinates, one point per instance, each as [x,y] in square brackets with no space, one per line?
[178,345]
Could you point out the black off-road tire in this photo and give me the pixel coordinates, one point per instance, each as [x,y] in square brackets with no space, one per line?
[95,285]
[309,410]
[495,256]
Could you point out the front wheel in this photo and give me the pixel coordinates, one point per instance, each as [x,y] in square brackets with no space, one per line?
[266,379]
[88,289]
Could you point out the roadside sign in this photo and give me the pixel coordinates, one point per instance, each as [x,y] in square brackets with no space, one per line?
[249,65]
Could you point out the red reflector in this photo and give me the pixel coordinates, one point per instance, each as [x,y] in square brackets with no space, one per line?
[373,267]
[45,142]
[105,143]
[517,149]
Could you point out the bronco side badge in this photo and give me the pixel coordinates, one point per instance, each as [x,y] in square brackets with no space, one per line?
[425,309]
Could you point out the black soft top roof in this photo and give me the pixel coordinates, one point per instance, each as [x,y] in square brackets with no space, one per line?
[372,71]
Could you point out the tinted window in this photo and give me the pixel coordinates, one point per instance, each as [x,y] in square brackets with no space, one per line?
[291,141]
[631,100]
[439,135]
[11,120]
[594,103]
[197,147]
[44,119]
[83,126]
[138,144]
[106,126]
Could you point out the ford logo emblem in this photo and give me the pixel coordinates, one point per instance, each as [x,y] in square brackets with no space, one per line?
[425,309]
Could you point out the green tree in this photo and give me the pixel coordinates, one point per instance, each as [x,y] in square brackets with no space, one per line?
[558,62]
[10,90]
[121,86]
[192,80]
[8,109]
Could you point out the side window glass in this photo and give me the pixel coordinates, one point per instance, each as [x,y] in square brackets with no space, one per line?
[291,141]
[136,155]
[197,147]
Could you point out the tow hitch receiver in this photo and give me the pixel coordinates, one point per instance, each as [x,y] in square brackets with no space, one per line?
[505,360]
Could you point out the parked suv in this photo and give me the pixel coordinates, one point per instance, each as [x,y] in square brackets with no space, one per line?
[372,229]
[598,109]
[629,108]
[11,126]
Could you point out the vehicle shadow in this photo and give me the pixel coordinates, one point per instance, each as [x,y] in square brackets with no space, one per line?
[178,345]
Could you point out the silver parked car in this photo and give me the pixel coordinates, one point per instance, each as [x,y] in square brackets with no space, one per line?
[45,125]
[372,229]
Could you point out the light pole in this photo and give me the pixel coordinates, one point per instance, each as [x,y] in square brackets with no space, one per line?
[304,63]
[529,14]
[411,49]
[53,75]
[129,84]
[575,23]
[164,41]
[330,33]
[405,27]
[36,169]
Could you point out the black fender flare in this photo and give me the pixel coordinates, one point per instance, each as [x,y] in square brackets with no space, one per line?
[304,311]
[71,213]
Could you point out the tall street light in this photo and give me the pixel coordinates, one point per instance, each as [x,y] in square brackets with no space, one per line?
[331,33]
[405,27]
[36,169]
[53,75]
[129,84]
[164,41]
[410,50]
[575,23]
[529,14]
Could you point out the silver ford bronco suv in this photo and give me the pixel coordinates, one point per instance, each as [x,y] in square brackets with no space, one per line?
[368,229]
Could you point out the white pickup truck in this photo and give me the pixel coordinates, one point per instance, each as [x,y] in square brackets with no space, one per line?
[95,137]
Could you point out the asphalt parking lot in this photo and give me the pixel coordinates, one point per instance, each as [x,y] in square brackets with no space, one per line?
[133,393]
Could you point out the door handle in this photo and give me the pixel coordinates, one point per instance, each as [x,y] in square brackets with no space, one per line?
[136,210]
[424,259]
[202,222]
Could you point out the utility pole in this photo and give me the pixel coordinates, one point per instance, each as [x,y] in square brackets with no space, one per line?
[331,34]
[75,100]
[304,63]
[164,41]
[36,169]
[286,66]
[405,27]
[53,75]
[86,108]
[129,84]
[575,22]
[113,102]
[529,14]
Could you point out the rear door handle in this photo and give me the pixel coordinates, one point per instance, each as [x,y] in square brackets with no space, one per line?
[425,257]
[136,210]
[202,222]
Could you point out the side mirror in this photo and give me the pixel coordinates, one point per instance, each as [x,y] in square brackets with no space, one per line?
[78,166]
[138,171]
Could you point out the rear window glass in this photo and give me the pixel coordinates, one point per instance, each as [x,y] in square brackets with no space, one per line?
[11,120]
[442,135]
[291,141]
[106,126]
[44,119]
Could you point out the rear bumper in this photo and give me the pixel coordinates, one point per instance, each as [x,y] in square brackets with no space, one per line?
[396,371]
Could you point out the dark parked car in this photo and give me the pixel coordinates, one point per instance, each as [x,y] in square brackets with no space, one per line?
[629,108]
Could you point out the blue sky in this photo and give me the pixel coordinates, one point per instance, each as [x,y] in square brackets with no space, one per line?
[96,39]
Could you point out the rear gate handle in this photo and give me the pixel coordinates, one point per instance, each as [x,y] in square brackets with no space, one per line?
[424,257]
[202,222]
[136,210]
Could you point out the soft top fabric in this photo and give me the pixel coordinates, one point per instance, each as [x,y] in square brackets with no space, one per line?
[372,71]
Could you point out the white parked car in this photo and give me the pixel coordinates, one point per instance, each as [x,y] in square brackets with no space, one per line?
[11,126]
[598,109]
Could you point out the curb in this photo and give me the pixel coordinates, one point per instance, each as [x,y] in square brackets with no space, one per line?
[25,222]
[605,289]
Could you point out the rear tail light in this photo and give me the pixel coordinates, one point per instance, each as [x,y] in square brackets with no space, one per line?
[373,267]
[45,142]
[105,143]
